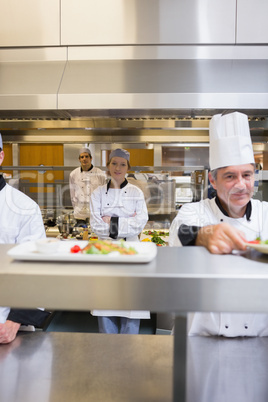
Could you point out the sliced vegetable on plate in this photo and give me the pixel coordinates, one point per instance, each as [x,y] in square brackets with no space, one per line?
[104,247]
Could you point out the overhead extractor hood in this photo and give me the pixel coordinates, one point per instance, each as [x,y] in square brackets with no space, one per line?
[70,82]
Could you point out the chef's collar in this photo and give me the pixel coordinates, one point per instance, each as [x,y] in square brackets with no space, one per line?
[2,182]
[122,185]
[91,167]
[248,208]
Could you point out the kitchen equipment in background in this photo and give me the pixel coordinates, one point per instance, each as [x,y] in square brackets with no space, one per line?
[49,217]
[184,192]
[66,223]
[199,184]
[161,198]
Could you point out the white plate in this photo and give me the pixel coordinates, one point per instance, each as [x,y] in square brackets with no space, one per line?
[27,251]
[262,248]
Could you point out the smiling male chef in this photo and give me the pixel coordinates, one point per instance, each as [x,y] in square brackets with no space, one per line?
[83,181]
[226,222]
[20,221]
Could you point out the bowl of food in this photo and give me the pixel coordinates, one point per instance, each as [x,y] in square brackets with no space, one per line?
[47,246]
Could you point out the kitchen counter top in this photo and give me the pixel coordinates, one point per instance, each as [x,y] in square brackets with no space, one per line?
[119,368]
[179,279]
[86,367]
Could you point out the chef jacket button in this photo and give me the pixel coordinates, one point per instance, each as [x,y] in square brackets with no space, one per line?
[246,326]
[221,220]
[108,204]
[226,326]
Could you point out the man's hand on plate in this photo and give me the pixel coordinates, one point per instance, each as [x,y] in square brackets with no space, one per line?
[221,238]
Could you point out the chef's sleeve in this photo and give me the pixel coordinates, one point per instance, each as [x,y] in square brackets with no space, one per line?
[188,234]
[34,317]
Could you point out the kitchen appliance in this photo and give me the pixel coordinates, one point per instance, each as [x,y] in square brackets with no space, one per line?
[66,223]
[199,184]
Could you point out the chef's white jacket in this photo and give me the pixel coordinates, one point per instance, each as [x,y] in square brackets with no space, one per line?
[122,203]
[20,221]
[226,370]
[206,212]
[82,184]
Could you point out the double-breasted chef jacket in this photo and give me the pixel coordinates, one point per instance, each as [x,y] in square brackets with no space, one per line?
[82,184]
[20,221]
[253,224]
[129,206]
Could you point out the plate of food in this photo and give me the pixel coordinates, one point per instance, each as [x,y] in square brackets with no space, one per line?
[87,251]
[259,245]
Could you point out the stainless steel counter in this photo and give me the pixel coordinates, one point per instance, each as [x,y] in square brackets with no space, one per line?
[55,367]
[178,280]
[68,367]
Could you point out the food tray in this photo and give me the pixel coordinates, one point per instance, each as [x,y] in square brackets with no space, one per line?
[27,252]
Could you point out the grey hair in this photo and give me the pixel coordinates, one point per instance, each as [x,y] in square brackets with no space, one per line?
[214,172]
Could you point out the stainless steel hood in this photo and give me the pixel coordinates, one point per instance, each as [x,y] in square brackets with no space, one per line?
[103,87]
[133,77]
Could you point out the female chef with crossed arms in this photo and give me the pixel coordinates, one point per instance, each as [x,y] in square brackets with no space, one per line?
[118,211]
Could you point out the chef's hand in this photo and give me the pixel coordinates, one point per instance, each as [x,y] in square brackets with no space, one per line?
[221,239]
[8,331]
[106,219]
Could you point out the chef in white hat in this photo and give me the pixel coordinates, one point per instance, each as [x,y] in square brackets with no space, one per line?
[226,222]
[83,181]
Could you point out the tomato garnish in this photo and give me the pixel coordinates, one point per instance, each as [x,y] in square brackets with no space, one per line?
[254,242]
[75,249]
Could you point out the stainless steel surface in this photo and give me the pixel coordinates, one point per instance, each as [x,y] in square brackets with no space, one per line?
[37,23]
[138,128]
[179,279]
[81,79]
[71,367]
[255,12]
[139,22]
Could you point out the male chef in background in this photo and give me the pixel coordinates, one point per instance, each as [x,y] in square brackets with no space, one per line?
[226,222]
[83,181]
[20,221]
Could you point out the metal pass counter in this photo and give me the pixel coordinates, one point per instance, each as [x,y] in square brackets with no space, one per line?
[178,280]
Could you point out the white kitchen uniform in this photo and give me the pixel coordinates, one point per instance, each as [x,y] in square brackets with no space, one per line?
[82,184]
[122,203]
[20,221]
[226,370]
[206,212]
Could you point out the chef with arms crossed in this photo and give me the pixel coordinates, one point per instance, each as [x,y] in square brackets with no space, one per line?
[20,221]
[83,181]
[226,222]
[118,211]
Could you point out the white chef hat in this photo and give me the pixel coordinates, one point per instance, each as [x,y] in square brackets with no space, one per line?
[122,153]
[1,141]
[82,150]
[230,141]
